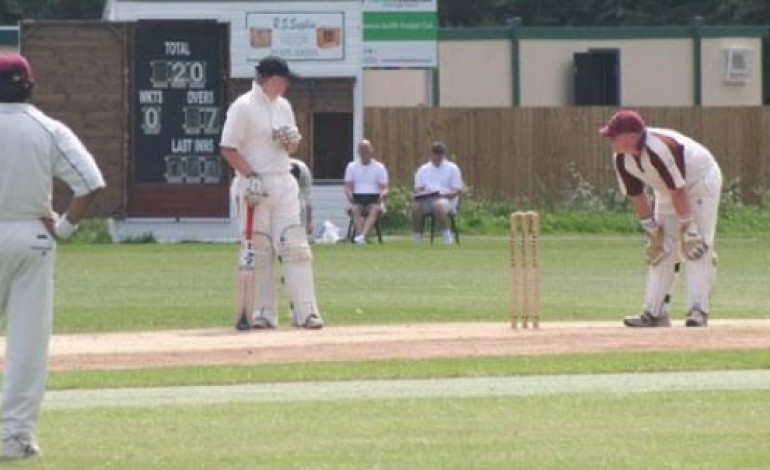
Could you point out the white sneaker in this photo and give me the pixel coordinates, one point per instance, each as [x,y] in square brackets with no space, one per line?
[19,447]
[313,322]
[359,240]
[260,320]
[448,238]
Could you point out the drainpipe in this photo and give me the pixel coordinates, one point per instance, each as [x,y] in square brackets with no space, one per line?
[697,36]
[514,24]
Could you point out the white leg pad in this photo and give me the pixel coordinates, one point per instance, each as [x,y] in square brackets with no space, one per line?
[298,273]
[700,277]
[660,283]
[266,305]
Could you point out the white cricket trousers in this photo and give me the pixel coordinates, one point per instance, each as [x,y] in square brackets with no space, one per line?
[700,274]
[27,258]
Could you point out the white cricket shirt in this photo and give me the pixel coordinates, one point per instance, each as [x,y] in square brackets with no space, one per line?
[249,128]
[366,179]
[444,178]
[34,149]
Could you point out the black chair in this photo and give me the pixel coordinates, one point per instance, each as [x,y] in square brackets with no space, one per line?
[452,225]
[352,230]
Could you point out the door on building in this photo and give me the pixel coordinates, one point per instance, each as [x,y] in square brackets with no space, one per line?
[597,77]
[332,144]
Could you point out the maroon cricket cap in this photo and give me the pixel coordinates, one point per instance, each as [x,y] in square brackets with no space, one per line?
[622,122]
[16,68]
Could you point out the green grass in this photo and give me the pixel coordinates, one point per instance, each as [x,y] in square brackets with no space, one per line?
[153,286]
[616,362]
[703,430]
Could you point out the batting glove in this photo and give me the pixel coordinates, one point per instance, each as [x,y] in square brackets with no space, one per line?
[692,243]
[254,192]
[287,135]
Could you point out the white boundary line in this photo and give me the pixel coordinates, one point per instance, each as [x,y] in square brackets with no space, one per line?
[421,388]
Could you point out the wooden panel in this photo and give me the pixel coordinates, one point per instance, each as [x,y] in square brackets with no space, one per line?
[79,70]
[544,154]
[162,200]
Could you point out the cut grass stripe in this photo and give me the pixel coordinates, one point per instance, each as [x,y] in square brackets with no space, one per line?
[390,389]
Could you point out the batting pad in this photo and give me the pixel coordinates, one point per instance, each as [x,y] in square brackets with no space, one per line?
[298,271]
[660,283]
[701,275]
[266,304]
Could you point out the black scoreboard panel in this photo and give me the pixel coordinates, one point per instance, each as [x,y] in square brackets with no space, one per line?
[177,102]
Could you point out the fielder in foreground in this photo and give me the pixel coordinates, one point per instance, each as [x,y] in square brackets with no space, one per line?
[34,150]
[686,182]
[259,133]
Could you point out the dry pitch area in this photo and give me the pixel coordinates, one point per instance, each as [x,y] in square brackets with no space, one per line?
[345,343]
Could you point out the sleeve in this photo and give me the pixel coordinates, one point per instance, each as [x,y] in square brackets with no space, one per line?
[418,178]
[457,179]
[629,185]
[383,175]
[287,117]
[75,165]
[234,129]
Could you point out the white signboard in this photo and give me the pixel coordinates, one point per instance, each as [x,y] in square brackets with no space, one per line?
[400,33]
[296,36]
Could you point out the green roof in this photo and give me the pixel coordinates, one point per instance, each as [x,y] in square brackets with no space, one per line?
[609,32]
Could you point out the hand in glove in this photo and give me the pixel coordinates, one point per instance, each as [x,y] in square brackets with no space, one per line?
[254,192]
[654,251]
[287,135]
[692,242]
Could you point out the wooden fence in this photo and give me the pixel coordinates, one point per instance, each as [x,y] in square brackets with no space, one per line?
[533,153]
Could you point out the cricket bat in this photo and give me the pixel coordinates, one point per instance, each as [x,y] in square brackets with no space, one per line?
[246,285]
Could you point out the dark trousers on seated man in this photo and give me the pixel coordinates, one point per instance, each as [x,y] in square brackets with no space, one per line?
[365,210]
[438,205]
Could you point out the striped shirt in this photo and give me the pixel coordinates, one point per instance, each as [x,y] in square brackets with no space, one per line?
[668,160]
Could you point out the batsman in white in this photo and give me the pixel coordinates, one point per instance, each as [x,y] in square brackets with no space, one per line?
[33,150]
[686,182]
[258,135]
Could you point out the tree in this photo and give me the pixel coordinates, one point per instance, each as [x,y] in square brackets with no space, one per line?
[11,11]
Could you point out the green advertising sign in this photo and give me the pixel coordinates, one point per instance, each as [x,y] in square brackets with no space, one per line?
[400,33]
[399,26]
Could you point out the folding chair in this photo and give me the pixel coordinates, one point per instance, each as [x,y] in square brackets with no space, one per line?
[352,229]
[452,225]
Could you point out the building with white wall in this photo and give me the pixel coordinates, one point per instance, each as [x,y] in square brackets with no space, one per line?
[647,66]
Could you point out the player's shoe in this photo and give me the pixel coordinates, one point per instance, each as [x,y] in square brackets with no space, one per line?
[313,322]
[19,447]
[262,324]
[647,320]
[243,323]
[359,240]
[696,317]
[260,320]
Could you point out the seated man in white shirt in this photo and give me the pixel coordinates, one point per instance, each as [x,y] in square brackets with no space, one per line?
[437,186]
[366,185]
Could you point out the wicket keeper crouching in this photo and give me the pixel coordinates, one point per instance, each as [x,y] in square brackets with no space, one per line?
[258,135]
[686,182]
